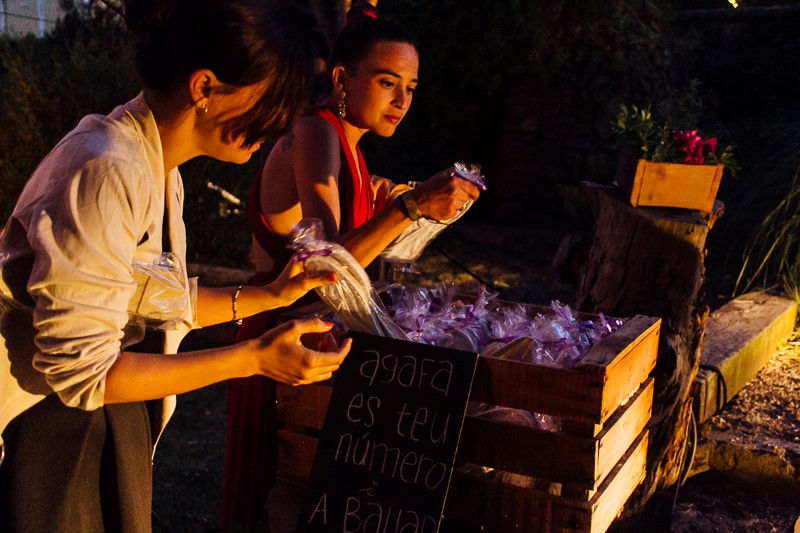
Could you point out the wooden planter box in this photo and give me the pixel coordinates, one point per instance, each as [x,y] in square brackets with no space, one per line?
[671,185]
[598,456]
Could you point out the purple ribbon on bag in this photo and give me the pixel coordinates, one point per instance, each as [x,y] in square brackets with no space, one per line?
[302,256]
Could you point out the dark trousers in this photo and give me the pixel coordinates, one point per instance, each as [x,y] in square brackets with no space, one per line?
[67,469]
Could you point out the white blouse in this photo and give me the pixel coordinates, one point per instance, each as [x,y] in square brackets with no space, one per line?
[93,206]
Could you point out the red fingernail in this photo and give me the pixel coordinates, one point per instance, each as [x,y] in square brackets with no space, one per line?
[332,277]
[329,324]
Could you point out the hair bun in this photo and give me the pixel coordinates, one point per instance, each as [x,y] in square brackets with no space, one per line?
[358,12]
[145,17]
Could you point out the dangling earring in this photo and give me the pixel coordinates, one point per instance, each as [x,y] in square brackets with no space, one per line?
[342,105]
[201,109]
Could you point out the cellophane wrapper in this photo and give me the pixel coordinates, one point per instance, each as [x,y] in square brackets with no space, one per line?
[352,296]
[410,244]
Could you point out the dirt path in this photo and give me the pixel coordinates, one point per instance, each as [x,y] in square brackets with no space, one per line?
[758,440]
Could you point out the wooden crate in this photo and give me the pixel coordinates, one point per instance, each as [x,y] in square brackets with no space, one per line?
[598,457]
[675,185]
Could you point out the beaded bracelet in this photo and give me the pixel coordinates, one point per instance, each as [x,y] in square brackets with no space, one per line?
[233,305]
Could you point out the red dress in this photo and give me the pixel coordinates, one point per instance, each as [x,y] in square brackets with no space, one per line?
[251,455]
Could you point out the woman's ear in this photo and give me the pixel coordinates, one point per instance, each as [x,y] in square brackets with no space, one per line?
[201,83]
[337,77]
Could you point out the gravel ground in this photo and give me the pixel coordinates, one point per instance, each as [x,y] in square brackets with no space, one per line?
[762,418]
[758,434]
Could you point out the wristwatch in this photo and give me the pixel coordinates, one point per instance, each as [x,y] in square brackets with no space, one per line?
[410,205]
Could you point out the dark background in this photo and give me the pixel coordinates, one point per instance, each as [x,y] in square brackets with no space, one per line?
[526,88]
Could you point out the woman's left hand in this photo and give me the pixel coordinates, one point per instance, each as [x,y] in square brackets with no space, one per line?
[443,195]
[294,282]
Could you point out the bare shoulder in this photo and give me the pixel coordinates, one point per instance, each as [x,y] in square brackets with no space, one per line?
[314,149]
[313,130]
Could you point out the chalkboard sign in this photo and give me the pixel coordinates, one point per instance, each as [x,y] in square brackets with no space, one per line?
[387,447]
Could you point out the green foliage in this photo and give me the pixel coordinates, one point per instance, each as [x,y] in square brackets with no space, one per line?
[482,60]
[467,54]
[659,142]
[48,84]
[478,59]
[773,254]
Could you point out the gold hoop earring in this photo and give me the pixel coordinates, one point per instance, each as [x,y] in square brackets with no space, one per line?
[201,109]
[342,105]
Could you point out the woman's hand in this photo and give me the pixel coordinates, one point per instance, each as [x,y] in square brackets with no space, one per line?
[385,191]
[293,282]
[219,304]
[282,356]
[443,195]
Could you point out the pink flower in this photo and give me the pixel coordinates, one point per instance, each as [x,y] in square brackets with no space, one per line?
[692,146]
[710,146]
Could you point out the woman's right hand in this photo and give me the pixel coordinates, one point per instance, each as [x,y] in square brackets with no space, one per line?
[293,282]
[281,355]
[443,195]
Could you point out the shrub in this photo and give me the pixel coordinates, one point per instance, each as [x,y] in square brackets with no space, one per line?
[84,66]
[46,86]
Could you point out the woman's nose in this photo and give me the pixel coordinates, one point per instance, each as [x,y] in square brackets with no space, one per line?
[402,98]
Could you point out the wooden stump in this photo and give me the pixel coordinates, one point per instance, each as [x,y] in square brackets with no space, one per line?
[650,261]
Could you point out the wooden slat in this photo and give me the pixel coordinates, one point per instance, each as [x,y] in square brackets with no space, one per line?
[480,504]
[622,428]
[608,500]
[619,344]
[483,504]
[295,457]
[552,455]
[527,451]
[540,389]
[635,359]
[630,372]
[305,405]
[619,485]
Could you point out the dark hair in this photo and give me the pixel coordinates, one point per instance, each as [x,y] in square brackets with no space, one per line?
[242,41]
[360,33]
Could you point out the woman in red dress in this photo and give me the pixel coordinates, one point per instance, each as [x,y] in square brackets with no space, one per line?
[317,170]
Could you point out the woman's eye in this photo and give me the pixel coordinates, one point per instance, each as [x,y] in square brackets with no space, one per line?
[411,90]
[387,83]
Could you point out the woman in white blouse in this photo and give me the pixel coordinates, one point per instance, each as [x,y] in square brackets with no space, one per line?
[97,232]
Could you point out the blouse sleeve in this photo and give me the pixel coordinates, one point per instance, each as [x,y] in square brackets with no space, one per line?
[84,241]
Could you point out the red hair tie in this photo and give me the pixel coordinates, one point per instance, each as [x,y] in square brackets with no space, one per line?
[364,9]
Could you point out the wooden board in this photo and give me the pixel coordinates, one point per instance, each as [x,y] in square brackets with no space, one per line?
[560,457]
[556,456]
[676,185]
[483,504]
[608,374]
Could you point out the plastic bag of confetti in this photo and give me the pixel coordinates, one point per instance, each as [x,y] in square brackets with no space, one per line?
[409,245]
[352,296]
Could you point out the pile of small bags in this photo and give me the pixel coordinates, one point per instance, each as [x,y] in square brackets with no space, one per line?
[440,317]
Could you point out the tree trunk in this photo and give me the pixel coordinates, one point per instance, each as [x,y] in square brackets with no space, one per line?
[650,261]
